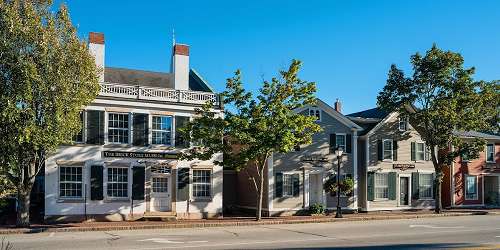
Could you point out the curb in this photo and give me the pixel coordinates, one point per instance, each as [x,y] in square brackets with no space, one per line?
[229,223]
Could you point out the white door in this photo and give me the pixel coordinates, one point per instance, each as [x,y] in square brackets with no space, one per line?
[160,193]
[315,189]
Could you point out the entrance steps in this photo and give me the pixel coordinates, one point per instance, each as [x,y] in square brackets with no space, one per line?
[159,216]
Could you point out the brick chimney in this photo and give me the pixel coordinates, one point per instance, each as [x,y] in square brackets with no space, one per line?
[96,47]
[180,66]
[338,106]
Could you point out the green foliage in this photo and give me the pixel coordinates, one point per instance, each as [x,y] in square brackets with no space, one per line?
[442,98]
[46,77]
[346,186]
[317,208]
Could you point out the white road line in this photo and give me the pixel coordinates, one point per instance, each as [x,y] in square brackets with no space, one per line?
[52,234]
[435,227]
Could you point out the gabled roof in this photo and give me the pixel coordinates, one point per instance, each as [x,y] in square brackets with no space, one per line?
[374,113]
[370,119]
[334,113]
[474,134]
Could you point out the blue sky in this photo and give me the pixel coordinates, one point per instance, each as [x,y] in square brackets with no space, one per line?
[346,47]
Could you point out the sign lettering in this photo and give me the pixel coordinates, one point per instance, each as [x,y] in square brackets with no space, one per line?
[143,155]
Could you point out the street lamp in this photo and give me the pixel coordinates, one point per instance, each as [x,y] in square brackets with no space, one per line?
[338,152]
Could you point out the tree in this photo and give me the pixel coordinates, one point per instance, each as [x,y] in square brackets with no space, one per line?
[255,128]
[46,77]
[441,99]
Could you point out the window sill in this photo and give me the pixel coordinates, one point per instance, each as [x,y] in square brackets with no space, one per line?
[117,145]
[207,199]
[385,199]
[117,200]
[70,200]
[426,199]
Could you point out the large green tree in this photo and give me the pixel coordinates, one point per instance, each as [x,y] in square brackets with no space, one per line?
[254,128]
[441,98]
[46,77]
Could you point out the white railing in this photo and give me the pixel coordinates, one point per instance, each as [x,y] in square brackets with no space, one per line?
[157,94]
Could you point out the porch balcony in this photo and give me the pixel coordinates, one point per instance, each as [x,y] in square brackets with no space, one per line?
[157,94]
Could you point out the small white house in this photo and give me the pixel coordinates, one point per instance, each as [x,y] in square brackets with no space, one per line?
[124,163]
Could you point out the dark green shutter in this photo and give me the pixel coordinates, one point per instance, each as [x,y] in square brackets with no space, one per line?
[138,183]
[413,151]
[370,186]
[348,143]
[427,153]
[182,184]
[140,125]
[392,185]
[415,185]
[95,127]
[96,182]
[278,185]
[180,121]
[394,150]
[380,153]
[296,185]
[79,137]
[333,142]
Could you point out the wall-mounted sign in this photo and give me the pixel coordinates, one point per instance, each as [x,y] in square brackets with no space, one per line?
[314,158]
[403,167]
[142,155]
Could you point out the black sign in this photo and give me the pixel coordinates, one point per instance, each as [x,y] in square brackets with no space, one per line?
[403,167]
[312,158]
[121,154]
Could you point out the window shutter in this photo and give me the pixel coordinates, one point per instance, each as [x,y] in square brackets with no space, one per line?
[348,143]
[394,150]
[95,127]
[182,184]
[333,142]
[433,187]
[415,185]
[427,154]
[96,182]
[140,126]
[371,186]
[296,185]
[138,183]
[180,121]
[379,150]
[392,185]
[413,151]
[278,185]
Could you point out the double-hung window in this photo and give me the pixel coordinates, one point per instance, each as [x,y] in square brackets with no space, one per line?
[118,128]
[419,151]
[403,123]
[490,153]
[287,185]
[162,130]
[70,182]
[387,149]
[470,187]
[340,141]
[315,112]
[202,183]
[425,186]
[381,186]
[117,182]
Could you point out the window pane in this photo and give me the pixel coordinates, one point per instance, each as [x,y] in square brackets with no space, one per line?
[340,141]
[490,152]
[425,185]
[202,183]
[162,130]
[70,182]
[117,182]
[387,149]
[471,190]
[381,186]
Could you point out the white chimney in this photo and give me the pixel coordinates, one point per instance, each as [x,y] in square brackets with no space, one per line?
[180,66]
[96,47]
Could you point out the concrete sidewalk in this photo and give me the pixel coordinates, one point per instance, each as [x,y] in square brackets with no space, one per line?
[236,221]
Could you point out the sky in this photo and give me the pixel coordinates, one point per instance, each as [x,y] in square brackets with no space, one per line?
[346,47]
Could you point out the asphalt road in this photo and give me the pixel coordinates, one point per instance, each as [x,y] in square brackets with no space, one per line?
[427,233]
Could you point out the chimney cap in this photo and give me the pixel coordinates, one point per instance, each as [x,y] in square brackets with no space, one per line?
[181,49]
[96,37]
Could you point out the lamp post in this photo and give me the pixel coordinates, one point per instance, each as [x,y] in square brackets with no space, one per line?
[338,153]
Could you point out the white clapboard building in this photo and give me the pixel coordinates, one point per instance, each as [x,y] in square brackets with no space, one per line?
[124,164]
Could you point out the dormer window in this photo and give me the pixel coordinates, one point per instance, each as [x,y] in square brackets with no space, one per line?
[403,123]
[315,112]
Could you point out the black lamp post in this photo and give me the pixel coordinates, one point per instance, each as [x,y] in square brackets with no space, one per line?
[338,153]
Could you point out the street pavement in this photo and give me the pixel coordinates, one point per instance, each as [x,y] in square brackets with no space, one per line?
[463,232]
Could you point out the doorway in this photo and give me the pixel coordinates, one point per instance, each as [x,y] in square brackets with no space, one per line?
[404,191]
[160,193]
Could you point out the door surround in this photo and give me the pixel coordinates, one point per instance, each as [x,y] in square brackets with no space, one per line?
[398,187]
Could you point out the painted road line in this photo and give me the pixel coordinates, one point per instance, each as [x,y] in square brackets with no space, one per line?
[435,227]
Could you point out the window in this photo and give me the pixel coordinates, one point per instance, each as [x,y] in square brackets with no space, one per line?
[287,185]
[118,182]
[70,182]
[387,149]
[160,184]
[340,141]
[315,112]
[471,187]
[465,157]
[202,183]
[425,186]
[490,153]
[118,128]
[162,130]
[419,151]
[381,186]
[403,123]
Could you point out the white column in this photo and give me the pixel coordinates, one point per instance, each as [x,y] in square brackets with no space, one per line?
[355,168]
[105,127]
[306,189]
[270,182]
[323,193]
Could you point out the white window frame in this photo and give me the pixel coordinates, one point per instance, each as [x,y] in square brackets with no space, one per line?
[336,141]
[420,186]
[70,182]
[403,120]
[421,152]
[488,153]
[161,130]
[210,183]
[315,112]
[476,186]
[107,182]
[385,187]
[287,184]
[384,149]
[128,130]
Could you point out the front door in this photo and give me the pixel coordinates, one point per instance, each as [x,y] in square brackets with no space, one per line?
[160,193]
[403,191]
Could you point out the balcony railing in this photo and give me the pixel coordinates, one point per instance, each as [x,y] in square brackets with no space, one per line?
[157,94]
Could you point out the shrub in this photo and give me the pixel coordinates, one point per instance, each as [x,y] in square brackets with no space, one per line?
[317,208]
[346,186]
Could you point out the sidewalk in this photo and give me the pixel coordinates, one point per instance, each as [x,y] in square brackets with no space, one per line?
[236,221]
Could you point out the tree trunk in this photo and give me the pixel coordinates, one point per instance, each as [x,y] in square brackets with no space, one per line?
[23,208]
[260,195]
[438,181]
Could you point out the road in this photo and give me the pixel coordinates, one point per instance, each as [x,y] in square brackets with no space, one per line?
[426,233]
